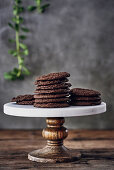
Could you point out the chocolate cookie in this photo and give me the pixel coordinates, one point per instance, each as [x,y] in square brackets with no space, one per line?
[84,98]
[27,102]
[56,100]
[53,76]
[51,105]
[85,103]
[52,91]
[50,82]
[50,96]
[54,86]
[83,92]
[23,97]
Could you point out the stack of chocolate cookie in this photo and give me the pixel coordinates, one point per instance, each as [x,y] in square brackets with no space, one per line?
[84,97]
[27,99]
[52,90]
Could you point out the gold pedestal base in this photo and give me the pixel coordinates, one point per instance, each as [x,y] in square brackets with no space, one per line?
[55,151]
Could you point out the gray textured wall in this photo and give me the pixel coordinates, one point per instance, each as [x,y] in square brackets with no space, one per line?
[73,35]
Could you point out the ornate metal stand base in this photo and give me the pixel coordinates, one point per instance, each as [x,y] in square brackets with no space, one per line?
[55,151]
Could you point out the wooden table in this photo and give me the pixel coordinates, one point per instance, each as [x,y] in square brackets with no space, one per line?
[97,148]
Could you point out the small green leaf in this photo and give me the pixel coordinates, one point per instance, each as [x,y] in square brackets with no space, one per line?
[20,9]
[10,51]
[43,7]
[21,19]
[18,1]
[11,25]
[9,76]
[31,8]
[22,37]
[15,70]
[17,20]
[26,71]
[13,75]
[11,40]
[25,29]
[23,46]
[17,9]
[14,19]
[13,52]
[14,6]
[26,52]
[20,77]
[17,27]
[15,12]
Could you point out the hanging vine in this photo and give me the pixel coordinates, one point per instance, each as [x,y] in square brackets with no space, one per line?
[21,49]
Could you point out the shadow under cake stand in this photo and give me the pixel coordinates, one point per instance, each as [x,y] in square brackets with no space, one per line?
[55,132]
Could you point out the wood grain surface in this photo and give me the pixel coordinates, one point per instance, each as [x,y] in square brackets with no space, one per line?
[97,148]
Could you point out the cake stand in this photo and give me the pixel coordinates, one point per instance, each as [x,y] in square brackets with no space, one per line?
[55,132]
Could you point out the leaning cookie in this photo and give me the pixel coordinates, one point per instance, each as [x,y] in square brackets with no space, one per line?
[23,97]
[85,103]
[51,105]
[25,102]
[84,98]
[53,76]
[84,92]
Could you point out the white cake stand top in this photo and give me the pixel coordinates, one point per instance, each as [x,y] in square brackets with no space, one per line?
[31,111]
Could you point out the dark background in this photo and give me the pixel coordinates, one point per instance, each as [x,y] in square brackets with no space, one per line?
[76,36]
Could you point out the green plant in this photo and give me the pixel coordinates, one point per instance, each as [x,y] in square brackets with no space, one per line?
[39,6]
[21,49]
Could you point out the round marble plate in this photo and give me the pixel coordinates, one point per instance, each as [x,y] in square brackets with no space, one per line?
[31,111]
